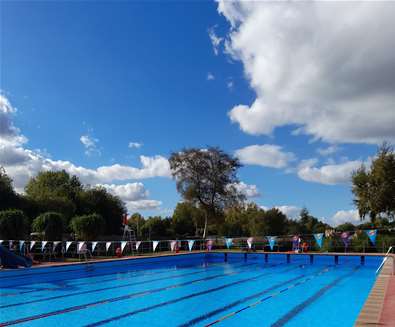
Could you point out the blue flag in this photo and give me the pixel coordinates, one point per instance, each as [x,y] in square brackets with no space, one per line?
[319,237]
[372,234]
[272,241]
[229,242]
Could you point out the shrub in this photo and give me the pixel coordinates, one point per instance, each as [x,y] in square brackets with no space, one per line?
[13,224]
[51,224]
[87,227]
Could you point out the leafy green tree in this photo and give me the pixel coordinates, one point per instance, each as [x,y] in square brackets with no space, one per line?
[275,222]
[136,222]
[206,178]
[88,227]
[14,225]
[157,228]
[374,188]
[9,198]
[346,227]
[51,224]
[187,220]
[110,207]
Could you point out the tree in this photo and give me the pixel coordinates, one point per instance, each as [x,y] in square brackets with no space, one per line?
[110,207]
[88,227]
[374,188]
[275,222]
[187,219]
[9,199]
[14,224]
[51,224]
[206,178]
[136,222]
[157,228]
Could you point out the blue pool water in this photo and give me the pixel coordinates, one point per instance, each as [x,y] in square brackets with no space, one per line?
[190,290]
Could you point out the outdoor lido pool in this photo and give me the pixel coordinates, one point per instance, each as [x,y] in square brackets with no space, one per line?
[191,290]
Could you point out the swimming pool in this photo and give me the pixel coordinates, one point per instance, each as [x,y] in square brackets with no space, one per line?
[190,290]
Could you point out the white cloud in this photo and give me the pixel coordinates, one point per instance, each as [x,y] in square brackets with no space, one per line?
[249,190]
[135,145]
[332,149]
[230,84]
[345,216]
[215,40]
[327,174]
[90,144]
[134,195]
[210,76]
[326,67]
[266,155]
[290,211]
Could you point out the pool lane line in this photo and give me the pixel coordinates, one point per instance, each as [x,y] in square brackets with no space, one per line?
[231,314]
[210,314]
[11,305]
[134,272]
[300,307]
[127,296]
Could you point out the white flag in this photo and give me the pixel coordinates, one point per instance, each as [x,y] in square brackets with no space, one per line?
[123,244]
[21,243]
[1,241]
[94,246]
[190,244]
[55,244]
[155,244]
[173,245]
[250,240]
[80,245]
[68,245]
[138,244]
[43,244]
[32,243]
[108,244]
[10,243]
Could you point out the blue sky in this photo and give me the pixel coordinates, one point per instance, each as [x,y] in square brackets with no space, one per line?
[82,80]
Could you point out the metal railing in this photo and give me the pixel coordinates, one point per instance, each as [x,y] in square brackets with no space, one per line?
[387,255]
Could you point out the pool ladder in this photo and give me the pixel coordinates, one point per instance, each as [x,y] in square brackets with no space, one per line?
[387,255]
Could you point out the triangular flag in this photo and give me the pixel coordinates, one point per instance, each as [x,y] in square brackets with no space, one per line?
[372,234]
[272,241]
[190,244]
[250,241]
[32,243]
[173,245]
[228,242]
[94,246]
[155,244]
[123,244]
[55,244]
[80,245]
[1,241]
[108,244]
[10,244]
[68,245]
[209,245]
[21,244]
[43,244]
[319,237]
[137,244]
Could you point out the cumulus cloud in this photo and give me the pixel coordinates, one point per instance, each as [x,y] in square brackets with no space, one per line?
[327,174]
[266,155]
[135,145]
[345,216]
[288,210]
[135,196]
[90,144]
[249,190]
[21,163]
[325,67]
[332,149]
[215,39]
[210,76]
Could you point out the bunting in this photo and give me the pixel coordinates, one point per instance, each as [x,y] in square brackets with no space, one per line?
[32,243]
[43,244]
[123,244]
[94,244]
[155,244]
[272,241]
[295,242]
[55,244]
[68,245]
[108,244]
[80,245]
[250,241]
[319,237]
[372,234]
[21,244]
[137,245]
[173,245]
[190,244]
[209,245]
[345,236]
[1,241]
[228,242]
[10,244]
